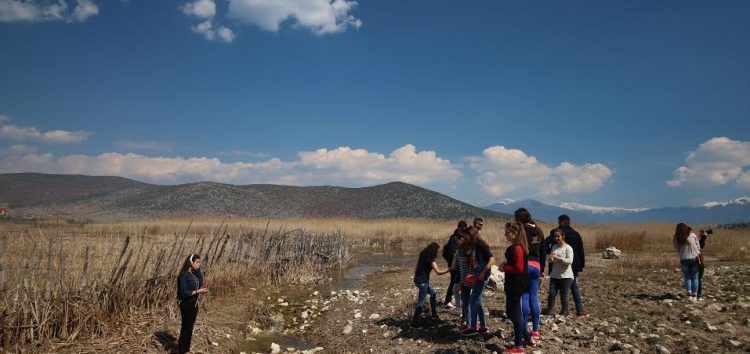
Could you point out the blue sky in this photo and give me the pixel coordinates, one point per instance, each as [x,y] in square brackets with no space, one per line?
[616,103]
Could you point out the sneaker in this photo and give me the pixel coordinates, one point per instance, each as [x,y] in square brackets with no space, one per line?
[450,306]
[469,332]
[514,350]
[701,299]
[528,343]
[482,330]
[693,299]
[462,327]
[536,335]
[582,314]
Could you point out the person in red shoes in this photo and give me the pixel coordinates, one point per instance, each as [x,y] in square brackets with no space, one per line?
[516,285]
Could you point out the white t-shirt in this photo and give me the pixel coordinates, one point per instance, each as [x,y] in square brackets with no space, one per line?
[562,268]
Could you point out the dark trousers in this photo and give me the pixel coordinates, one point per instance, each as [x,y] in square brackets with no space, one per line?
[563,287]
[700,282]
[188,312]
[514,311]
[575,289]
[454,280]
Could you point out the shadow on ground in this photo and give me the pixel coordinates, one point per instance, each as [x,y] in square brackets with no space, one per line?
[652,297]
[167,341]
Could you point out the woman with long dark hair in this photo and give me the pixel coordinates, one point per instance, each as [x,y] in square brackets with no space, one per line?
[688,248]
[425,265]
[516,285]
[189,288]
[537,254]
[482,262]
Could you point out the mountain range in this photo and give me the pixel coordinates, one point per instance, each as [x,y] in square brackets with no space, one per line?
[734,211]
[95,197]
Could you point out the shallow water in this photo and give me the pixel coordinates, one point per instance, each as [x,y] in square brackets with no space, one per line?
[351,278]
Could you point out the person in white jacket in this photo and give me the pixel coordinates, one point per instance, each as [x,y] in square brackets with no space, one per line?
[561,277]
[688,248]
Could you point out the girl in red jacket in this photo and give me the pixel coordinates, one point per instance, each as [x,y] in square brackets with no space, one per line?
[516,285]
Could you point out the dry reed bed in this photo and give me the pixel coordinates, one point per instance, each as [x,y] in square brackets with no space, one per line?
[61,282]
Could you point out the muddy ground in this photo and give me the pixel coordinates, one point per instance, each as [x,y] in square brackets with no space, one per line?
[630,312]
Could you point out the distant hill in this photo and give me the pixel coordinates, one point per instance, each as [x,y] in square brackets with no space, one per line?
[737,210]
[117,197]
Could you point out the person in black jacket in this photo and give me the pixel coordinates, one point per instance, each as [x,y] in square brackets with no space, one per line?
[573,238]
[449,251]
[189,287]
[702,242]
[537,256]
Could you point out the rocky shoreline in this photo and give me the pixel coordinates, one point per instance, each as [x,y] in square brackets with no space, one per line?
[630,312]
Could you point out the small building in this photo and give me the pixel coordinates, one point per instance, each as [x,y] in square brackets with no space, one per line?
[4,211]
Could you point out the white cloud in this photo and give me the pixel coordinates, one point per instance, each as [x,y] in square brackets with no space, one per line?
[46,11]
[16,133]
[200,8]
[206,10]
[718,161]
[405,164]
[145,145]
[4,118]
[338,166]
[207,29]
[504,171]
[319,16]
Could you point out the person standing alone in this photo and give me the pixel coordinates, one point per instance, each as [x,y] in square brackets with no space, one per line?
[573,238]
[189,287]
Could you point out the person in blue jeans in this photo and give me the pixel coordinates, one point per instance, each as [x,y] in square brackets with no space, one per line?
[536,257]
[688,248]
[425,265]
[482,263]
[517,285]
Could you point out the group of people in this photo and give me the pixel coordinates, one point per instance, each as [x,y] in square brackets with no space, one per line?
[689,248]
[470,261]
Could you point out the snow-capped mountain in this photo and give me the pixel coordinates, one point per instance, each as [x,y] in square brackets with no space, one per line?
[597,209]
[738,201]
[736,210]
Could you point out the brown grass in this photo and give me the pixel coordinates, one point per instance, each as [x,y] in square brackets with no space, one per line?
[66,282]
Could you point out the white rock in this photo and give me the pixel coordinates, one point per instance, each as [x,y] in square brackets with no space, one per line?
[358,315]
[315,293]
[735,343]
[284,304]
[347,329]
[611,253]
[304,315]
[374,316]
[214,344]
[275,348]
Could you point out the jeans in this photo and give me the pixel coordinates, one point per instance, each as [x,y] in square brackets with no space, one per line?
[513,308]
[689,269]
[563,287]
[531,299]
[476,305]
[424,289]
[465,299]
[188,312]
[576,291]
[450,292]
[700,282]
